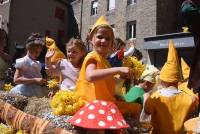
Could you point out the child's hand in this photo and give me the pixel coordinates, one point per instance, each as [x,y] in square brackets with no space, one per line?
[126,72]
[50,53]
[40,81]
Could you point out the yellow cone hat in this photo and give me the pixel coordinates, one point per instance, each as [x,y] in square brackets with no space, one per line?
[185,69]
[170,72]
[100,22]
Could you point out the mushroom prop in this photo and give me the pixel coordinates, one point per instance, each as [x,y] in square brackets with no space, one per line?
[99,115]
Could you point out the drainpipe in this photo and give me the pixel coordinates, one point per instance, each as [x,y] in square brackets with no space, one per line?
[81,18]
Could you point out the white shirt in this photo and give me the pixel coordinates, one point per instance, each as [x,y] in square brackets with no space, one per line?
[69,74]
[30,68]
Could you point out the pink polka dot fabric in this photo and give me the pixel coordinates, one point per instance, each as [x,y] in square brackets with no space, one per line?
[99,115]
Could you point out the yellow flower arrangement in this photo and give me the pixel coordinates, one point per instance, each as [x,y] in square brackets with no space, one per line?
[66,103]
[7,87]
[51,84]
[134,64]
[6,129]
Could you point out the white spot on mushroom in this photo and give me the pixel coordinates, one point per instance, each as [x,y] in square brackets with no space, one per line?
[119,123]
[96,101]
[113,127]
[109,118]
[91,116]
[101,111]
[91,107]
[103,103]
[101,123]
[81,112]
[113,110]
[78,121]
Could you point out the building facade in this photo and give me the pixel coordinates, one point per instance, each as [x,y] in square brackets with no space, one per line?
[54,18]
[130,18]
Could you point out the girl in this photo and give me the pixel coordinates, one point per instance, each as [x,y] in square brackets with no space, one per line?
[68,68]
[5,59]
[27,73]
[96,80]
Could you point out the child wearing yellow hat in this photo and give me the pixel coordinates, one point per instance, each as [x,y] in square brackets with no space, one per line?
[169,107]
[183,85]
[96,81]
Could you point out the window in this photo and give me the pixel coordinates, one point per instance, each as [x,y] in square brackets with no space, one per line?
[111,5]
[131,2]
[131,29]
[59,13]
[94,6]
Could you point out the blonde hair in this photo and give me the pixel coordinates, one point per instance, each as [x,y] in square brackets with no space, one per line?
[99,27]
[76,43]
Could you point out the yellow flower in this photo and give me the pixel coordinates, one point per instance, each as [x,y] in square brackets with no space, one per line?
[7,87]
[6,129]
[134,64]
[51,84]
[66,103]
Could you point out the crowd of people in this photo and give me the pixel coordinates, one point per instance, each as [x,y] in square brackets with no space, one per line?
[163,94]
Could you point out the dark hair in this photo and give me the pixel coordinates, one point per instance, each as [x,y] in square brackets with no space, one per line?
[137,54]
[4,35]
[118,43]
[34,40]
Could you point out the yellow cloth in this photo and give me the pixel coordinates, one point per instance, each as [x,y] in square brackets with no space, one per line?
[50,44]
[185,69]
[171,72]
[183,87]
[102,89]
[3,68]
[100,22]
[169,113]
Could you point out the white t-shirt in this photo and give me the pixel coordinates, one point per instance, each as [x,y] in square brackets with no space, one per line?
[69,74]
[30,68]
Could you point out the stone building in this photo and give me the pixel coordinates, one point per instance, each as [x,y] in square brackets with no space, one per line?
[130,18]
[54,18]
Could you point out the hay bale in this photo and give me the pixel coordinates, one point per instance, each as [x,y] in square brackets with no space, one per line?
[18,101]
[37,106]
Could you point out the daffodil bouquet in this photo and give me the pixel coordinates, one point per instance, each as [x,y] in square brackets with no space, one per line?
[135,65]
[66,103]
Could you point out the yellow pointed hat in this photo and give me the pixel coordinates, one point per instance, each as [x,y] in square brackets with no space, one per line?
[170,72]
[100,22]
[185,69]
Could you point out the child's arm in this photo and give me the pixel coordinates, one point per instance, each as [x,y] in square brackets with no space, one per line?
[93,74]
[22,80]
[131,49]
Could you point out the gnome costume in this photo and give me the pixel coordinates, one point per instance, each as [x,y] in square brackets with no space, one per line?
[169,106]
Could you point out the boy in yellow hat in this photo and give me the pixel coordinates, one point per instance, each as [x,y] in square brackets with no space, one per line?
[169,107]
[96,78]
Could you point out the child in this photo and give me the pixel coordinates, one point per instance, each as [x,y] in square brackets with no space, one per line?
[5,59]
[27,73]
[96,80]
[116,58]
[68,68]
[169,107]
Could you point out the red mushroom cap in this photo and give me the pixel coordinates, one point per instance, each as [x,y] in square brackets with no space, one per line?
[99,115]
